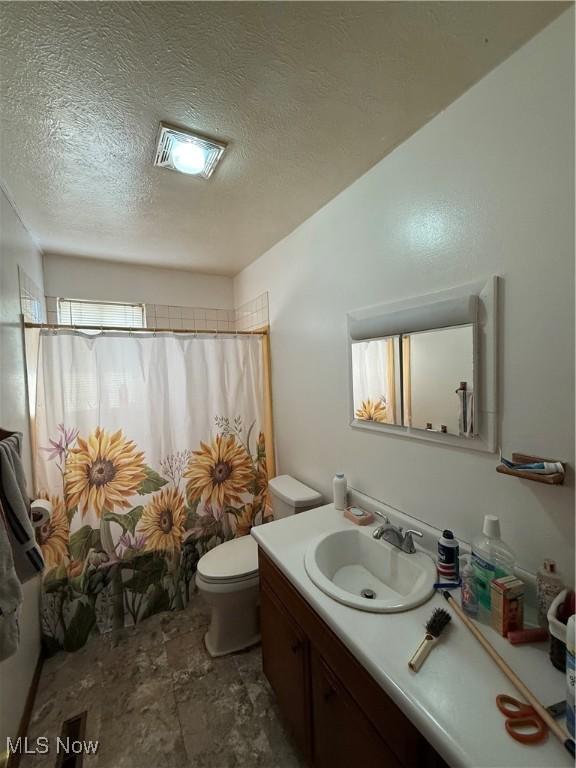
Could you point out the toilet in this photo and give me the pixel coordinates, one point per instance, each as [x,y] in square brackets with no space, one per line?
[227,576]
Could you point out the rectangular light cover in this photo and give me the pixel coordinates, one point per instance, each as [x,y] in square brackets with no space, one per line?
[186,152]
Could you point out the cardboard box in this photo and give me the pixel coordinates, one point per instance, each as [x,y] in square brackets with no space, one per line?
[507,604]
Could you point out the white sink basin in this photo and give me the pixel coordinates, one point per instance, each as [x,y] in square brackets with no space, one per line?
[346,563]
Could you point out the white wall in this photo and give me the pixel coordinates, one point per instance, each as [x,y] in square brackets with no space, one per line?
[485,188]
[77,278]
[16,249]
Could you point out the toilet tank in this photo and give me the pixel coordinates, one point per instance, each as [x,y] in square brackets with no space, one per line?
[290,496]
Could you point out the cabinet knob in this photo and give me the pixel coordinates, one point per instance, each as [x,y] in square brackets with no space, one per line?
[329,692]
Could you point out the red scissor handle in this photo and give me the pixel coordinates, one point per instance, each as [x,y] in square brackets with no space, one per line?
[515,727]
[513,708]
[522,722]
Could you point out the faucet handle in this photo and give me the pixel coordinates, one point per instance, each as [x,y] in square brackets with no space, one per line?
[408,542]
[413,533]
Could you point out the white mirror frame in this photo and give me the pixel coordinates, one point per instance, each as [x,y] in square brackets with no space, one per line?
[440,310]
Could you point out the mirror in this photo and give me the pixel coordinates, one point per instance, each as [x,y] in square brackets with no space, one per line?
[438,380]
[374,385]
[426,367]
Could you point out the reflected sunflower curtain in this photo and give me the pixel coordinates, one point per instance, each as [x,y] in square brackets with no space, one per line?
[369,376]
[151,450]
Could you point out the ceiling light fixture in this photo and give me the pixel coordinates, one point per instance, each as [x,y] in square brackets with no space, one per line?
[187,152]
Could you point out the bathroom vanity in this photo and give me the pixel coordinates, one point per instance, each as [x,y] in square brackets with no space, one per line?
[342,680]
[337,714]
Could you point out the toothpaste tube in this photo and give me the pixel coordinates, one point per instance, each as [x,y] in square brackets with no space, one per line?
[539,467]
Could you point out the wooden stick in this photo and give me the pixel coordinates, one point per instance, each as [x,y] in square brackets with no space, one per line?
[512,676]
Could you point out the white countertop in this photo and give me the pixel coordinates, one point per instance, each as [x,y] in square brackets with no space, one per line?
[452,699]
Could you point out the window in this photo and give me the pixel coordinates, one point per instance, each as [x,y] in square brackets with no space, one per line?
[100,313]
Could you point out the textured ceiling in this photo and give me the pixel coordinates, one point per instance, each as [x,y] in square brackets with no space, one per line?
[309,96]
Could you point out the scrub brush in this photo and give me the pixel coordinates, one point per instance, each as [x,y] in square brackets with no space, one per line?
[436,624]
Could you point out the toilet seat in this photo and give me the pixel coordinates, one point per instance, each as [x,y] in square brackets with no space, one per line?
[232,562]
[228,580]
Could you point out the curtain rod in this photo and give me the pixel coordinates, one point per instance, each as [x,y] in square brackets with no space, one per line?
[128,329]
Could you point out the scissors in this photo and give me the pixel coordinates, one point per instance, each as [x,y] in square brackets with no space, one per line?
[522,721]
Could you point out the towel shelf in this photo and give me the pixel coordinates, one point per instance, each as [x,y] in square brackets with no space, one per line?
[521,458]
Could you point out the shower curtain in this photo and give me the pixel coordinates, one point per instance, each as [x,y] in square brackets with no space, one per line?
[151,450]
[373,374]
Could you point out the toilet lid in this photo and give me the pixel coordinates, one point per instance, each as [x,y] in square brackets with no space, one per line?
[232,560]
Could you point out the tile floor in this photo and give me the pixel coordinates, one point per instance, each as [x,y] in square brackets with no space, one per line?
[155,698]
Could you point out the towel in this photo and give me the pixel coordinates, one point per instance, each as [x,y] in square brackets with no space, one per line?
[10,595]
[27,556]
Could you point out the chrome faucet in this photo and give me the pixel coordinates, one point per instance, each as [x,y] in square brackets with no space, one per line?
[397,536]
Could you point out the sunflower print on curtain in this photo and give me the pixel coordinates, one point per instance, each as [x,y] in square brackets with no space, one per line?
[154,524]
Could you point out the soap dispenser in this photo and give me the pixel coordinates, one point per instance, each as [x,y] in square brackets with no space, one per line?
[469,594]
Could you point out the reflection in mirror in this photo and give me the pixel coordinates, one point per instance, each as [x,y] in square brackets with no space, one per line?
[438,380]
[375,390]
[425,367]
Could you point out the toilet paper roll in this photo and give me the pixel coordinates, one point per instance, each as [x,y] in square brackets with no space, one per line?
[41,512]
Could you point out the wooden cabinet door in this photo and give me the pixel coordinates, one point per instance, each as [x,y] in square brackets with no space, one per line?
[285,659]
[343,737]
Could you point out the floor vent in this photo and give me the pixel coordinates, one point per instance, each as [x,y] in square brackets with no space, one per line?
[73,730]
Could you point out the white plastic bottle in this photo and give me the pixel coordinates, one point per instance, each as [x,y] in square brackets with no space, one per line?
[340,489]
[491,558]
[570,673]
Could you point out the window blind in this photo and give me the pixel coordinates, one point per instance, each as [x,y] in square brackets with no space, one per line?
[100,313]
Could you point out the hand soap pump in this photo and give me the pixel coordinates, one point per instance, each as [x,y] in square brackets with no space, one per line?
[469,594]
[340,490]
